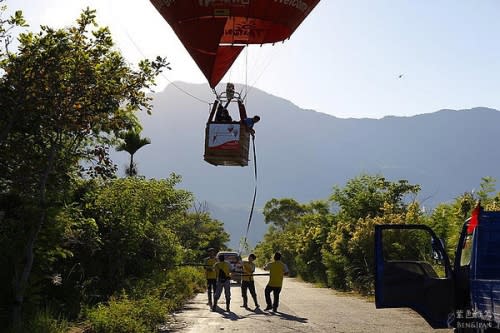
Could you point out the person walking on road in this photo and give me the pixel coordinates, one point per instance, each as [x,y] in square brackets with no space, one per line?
[210,275]
[223,273]
[277,269]
[247,281]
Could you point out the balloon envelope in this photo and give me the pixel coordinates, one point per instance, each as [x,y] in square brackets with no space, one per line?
[215,31]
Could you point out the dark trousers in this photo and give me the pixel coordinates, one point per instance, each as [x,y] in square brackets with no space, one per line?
[276,293]
[250,285]
[211,286]
[226,285]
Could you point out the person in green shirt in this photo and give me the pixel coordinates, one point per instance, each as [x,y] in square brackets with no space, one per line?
[210,275]
[223,273]
[277,269]
[247,281]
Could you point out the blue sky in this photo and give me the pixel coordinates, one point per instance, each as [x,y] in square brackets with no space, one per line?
[344,60]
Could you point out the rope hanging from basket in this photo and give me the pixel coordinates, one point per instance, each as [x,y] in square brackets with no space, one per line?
[254,195]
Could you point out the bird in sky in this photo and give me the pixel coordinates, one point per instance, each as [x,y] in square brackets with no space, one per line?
[400,76]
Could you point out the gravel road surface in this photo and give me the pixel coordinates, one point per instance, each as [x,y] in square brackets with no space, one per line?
[303,308]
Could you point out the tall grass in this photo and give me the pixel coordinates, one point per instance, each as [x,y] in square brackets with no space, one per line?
[147,304]
[42,321]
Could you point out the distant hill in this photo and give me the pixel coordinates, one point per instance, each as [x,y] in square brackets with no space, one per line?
[303,153]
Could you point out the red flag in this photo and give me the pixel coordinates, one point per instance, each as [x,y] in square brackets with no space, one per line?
[474,219]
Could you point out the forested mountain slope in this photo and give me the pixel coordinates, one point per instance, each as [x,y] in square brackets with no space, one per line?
[303,153]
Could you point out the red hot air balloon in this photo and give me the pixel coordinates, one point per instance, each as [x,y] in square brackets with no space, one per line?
[215,31]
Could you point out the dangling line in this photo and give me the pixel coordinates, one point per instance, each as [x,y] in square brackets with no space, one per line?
[254,195]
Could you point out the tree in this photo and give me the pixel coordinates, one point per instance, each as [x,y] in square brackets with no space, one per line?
[65,95]
[365,195]
[364,201]
[136,219]
[281,212]
[298,231]
[132,143]
[486,193]
[6,26]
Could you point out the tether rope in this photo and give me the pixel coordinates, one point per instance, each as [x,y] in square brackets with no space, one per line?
[254,195]
[163,73]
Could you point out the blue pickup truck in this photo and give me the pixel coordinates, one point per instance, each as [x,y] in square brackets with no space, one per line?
[413,270]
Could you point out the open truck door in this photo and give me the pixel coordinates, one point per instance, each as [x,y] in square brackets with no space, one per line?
[413,270]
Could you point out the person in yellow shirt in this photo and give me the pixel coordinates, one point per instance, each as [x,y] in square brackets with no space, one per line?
[277,269]
[247,281]
[223,273]
[210,275]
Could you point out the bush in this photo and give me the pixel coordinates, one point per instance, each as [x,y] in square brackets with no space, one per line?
[119,316]
[335,270]
[148,303]
[182,283]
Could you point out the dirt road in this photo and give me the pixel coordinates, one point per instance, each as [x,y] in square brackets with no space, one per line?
[303,308]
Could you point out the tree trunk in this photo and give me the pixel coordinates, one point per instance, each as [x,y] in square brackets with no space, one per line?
[20,281]
[131,169]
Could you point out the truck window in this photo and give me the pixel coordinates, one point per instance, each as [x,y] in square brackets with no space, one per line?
[411,251]
[466,251]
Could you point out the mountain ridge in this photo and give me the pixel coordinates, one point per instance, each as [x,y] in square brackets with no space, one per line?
[303,153]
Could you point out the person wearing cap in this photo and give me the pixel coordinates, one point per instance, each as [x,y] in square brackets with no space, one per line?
[210,275]
[247,282]
[277,269]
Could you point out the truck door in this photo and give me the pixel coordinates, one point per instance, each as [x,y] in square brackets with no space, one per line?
[413,270]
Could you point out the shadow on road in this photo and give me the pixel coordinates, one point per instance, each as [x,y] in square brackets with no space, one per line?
[228,315]
[283,316]
[290,317]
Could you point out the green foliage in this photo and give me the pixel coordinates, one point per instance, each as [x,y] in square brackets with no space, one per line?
[336,248]
[67,95]
[148,303]
[310,239]
[121,231]
[45,322]
[335,270]
[42,321]
[132,142]
[6,26]
[447,220]
[197,232]
[136,222]
[298,232]
[66,92]
[366,195]
[120,316]
[365,201]
[487,187]
[282,212]
[182,283]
